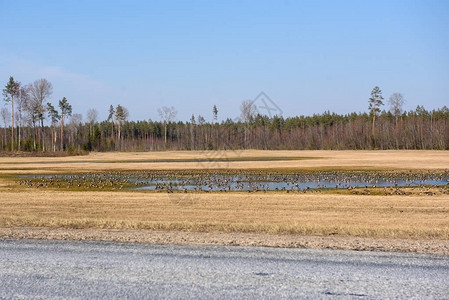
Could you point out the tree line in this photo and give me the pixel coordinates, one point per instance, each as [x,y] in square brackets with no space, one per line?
[33,124]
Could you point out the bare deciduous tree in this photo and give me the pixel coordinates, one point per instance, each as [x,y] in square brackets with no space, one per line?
[92,116]
[40,90]
[75,122]
[396,102]
[248,111]
[22,101]
[167,114]
[32,116]
[76,119]
[201,120]
[6,116]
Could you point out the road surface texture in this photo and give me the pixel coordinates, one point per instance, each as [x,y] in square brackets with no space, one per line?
[80,270]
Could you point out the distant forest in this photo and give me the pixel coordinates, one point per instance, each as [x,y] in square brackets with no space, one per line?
[30,123]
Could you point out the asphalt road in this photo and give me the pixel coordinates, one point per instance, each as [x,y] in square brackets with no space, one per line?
[80,270]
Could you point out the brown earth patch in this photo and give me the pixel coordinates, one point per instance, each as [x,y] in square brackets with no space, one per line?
[228,239]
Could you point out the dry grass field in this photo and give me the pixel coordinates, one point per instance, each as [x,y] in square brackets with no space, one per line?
[360,160]
[277,213]
[404,217]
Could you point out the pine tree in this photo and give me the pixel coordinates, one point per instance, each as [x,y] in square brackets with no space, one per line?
[215,113]
[374,103]
[66,110]
[121,114]
[54,117]
[9,92]
[111,119]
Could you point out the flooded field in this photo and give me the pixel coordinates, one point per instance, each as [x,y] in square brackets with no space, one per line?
[213,182]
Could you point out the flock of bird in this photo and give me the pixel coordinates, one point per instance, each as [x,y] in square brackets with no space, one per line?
[249,181]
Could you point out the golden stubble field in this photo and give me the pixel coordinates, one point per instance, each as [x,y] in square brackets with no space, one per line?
[309,214]
[360,160]
[409,217]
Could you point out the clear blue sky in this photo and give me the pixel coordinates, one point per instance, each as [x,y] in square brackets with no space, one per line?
[308,56]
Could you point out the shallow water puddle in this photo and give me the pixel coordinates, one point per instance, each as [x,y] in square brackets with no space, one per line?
[246,182]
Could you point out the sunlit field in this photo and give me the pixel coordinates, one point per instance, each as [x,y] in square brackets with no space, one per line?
[239,159]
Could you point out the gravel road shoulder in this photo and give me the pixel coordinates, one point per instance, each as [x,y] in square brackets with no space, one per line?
[228,239]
